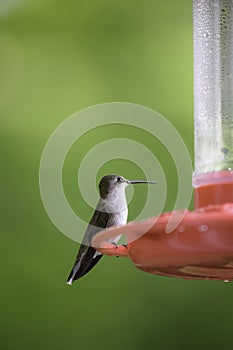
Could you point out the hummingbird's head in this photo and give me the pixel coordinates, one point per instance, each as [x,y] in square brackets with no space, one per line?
[116,184]
[111,184]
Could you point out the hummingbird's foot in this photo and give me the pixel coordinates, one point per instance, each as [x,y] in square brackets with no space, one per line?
[116,246]
[122,245]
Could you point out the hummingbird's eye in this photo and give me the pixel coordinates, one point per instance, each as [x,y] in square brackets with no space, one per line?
[119,179]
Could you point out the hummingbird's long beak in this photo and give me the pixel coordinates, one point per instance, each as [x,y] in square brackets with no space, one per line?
[132,182]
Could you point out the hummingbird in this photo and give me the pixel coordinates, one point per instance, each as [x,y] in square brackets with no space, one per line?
[111,210]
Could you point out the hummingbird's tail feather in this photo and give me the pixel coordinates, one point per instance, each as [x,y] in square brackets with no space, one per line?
[86,259]
[73,273]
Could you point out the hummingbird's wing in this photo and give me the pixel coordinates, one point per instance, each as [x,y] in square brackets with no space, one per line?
[85,261]
[87,256]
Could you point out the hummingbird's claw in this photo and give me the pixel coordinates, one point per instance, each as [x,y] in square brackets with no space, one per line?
[117,246]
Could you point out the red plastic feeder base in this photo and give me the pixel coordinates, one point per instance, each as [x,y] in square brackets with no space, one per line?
[200,247]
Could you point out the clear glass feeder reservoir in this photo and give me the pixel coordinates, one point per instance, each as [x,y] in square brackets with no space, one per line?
[213,101]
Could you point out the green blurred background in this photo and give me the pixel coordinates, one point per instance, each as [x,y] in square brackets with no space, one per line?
[57,57]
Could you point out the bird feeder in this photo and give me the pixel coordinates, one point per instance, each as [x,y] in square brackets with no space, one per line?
[201,246]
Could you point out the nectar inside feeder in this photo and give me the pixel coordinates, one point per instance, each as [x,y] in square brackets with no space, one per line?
[201,245]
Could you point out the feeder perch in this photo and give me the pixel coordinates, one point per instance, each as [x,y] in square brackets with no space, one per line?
[201,246]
